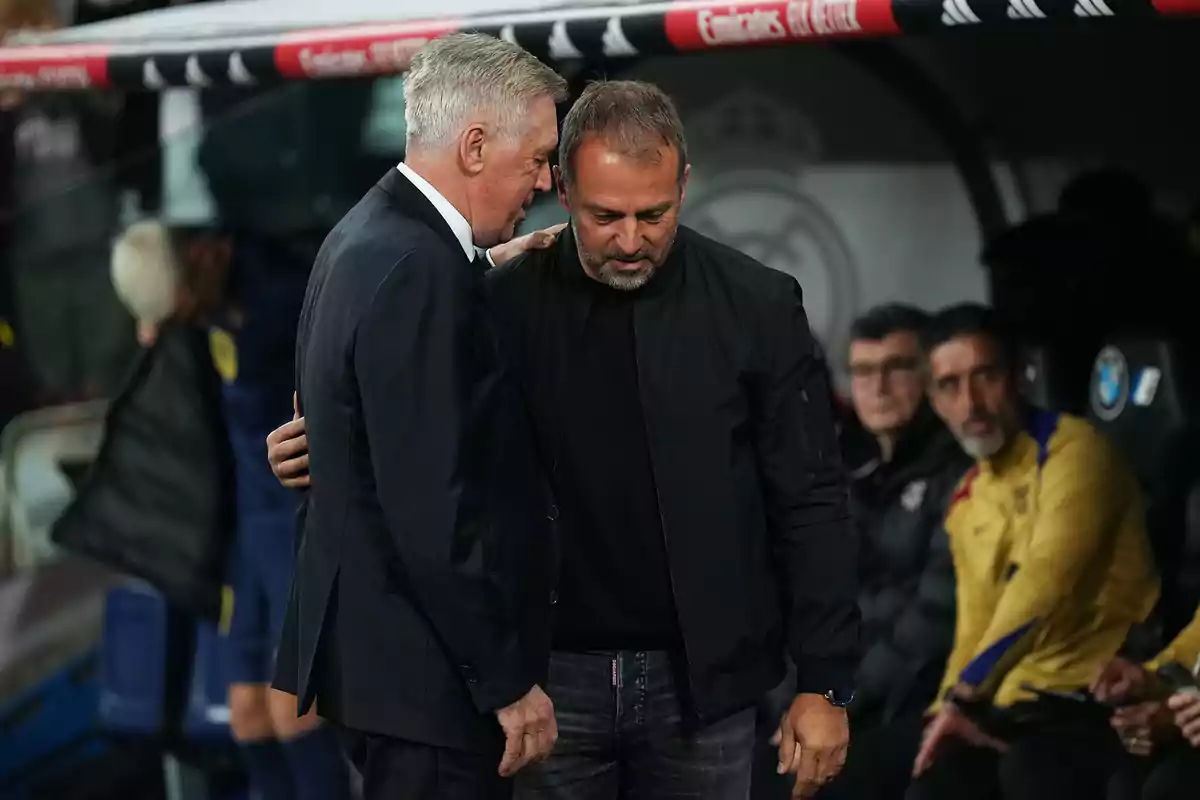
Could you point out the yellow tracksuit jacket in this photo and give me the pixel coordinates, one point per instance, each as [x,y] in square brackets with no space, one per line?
[1052,562]
[1184,648]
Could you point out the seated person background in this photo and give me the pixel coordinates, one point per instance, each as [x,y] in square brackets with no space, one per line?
[1164,764]
[1053,567]
[906,578]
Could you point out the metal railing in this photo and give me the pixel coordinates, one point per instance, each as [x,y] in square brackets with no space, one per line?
[36,451]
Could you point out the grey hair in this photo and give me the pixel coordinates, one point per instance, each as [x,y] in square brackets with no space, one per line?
[635,117]
[459,74]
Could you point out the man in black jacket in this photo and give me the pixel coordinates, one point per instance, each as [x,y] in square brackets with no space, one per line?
[701,507]
[905,572]
[409,623]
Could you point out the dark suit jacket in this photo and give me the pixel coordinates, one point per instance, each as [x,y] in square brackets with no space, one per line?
[421,593]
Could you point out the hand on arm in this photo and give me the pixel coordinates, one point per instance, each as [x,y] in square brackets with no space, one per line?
[501,254]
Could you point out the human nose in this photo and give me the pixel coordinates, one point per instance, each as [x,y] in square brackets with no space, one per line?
[628,240]
[544,182]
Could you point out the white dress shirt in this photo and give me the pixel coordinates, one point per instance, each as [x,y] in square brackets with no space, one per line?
[457,222]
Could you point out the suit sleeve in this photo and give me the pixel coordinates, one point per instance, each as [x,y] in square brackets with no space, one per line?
[807,500]
[1077,502]
[1184,649]
[423,378]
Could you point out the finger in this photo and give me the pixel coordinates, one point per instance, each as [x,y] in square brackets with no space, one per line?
[787,747]
[827,766]
[286,433]
[512,753]
[303,482]
[924,756]
[529,752]
[839,759]
[1192,730]
[293,467]
[290,457]
[808,770]
[295,406]
[1186,706]
[545,745]
[776,737]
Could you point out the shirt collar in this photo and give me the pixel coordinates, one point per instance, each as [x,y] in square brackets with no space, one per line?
[457,222]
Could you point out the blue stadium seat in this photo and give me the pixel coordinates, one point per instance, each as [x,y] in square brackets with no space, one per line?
[133,662]
[1143,395]
[207,716]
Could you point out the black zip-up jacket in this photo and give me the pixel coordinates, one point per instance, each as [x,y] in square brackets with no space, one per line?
[906,574]
[753,497]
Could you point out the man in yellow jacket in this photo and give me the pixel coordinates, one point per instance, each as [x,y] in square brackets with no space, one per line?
[1053,567]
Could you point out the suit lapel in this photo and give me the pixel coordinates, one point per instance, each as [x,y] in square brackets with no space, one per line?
[407,199]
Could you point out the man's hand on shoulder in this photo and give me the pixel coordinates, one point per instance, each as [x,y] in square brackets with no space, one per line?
[501,254]
[530,731]
[287,452]
[813,738]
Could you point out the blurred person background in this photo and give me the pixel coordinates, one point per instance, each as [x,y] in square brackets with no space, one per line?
[247,292]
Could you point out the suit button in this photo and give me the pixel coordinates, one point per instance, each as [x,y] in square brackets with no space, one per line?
[552,515]
[553,598]
[468,673]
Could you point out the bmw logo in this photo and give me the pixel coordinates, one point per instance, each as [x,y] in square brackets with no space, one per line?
[1110,384]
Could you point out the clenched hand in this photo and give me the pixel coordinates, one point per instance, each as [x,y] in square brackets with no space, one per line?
[530,731]
[812,739]
[287,451]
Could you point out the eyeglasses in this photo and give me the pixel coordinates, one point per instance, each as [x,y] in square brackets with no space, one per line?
[863,370]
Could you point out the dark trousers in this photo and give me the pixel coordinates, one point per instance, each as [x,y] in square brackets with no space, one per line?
[392,769]
[1173,774]
[1054,759]
[622,733]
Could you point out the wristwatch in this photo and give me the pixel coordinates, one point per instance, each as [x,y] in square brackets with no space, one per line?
[840,697]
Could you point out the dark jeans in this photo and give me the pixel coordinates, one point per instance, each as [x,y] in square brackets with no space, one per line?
[395,768]
[1172,774]
[622,734]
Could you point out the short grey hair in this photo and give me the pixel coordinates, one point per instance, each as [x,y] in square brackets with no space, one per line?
[634,117]
[456,75]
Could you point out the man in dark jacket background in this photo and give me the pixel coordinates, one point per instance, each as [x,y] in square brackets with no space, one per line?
[906,577]
[701,507]
[905,465]
[906,580]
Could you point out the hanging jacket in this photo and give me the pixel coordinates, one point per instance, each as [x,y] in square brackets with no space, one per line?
[158,502]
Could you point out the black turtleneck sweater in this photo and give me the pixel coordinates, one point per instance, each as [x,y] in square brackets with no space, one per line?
[615,587]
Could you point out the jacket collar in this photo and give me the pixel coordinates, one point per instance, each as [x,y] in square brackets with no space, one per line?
[409,201]
[925,448]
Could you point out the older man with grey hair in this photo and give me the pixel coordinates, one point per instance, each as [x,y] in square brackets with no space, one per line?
[411,624]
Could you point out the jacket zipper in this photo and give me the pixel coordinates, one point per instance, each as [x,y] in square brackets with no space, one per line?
[662,521]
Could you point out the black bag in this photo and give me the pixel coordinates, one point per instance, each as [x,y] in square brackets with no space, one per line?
[158,502]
